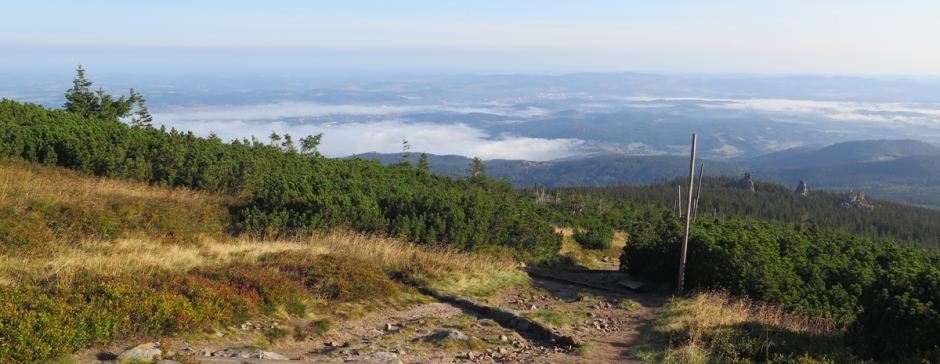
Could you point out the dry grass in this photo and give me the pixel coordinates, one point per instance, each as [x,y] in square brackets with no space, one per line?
[197,219]
[442,269]
[21,181]
[717,308]
[699,329]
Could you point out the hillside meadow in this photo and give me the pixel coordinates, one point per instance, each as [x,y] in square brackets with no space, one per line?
[97,260]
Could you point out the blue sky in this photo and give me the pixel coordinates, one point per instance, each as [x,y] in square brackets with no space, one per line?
[283,37]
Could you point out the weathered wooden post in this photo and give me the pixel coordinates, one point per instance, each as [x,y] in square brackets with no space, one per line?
[688,217]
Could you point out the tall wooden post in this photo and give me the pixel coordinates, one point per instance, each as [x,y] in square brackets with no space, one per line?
[688,217]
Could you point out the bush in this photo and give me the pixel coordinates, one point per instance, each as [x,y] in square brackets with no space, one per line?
[333,277]
[598,237]
[282,192]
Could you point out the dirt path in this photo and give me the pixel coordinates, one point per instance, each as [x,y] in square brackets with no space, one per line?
[612,324]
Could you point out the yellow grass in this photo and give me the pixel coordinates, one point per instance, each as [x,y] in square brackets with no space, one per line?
[717,308]
[687,322]
[20,182]
[453,271]
[62,256]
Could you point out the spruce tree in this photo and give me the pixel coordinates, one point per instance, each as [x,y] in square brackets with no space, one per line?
[476,167]
[423,162]
[80,99]
[142,117]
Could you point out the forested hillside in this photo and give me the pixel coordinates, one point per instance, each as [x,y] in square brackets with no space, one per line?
[722,198]
[588,171]
[906,171]
[848,152]
[871,266]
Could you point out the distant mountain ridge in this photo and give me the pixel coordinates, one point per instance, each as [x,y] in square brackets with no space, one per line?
[905,171]
[590,171]
[848,152]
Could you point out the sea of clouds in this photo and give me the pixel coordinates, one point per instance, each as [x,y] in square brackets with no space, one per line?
[384,136]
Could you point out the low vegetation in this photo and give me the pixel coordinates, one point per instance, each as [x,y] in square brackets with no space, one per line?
[711,327]
[886,295]
[617,206]
[71,286]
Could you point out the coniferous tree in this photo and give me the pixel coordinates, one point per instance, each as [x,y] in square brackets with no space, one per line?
[423,163]
[404,152]
[80,99]
[308,145]
[289,144]
[274,138]
[142,117]
[476,167]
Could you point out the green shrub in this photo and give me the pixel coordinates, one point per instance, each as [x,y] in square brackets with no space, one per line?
[282,192]
[598,237]
[888,295]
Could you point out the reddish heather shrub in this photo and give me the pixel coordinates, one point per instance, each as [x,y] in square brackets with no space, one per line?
[333,277]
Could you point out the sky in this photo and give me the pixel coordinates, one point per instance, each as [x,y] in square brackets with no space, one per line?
[548,37]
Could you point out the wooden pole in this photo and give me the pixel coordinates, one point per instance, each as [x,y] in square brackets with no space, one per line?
[685,238]
[701,173]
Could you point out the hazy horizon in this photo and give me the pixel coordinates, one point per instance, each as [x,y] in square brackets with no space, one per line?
[531,80]
[531,37]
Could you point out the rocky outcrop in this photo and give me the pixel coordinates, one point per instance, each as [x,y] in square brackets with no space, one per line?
[856,200]
[801,188]
[746,183]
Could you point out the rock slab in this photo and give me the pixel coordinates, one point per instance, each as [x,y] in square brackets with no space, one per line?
[383,357]
[144,352]
[448,334]
[249,354]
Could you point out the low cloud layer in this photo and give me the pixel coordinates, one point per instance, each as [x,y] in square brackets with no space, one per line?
[862,112]
[386,137]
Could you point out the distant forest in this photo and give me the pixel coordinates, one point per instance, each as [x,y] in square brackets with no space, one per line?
[722,198]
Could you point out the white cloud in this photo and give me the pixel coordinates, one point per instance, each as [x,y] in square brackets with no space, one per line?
[386,137]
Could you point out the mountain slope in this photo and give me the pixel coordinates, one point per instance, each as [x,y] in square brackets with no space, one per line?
[848,152]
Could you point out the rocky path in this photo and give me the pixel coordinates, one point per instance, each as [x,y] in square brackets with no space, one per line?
[607,327]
